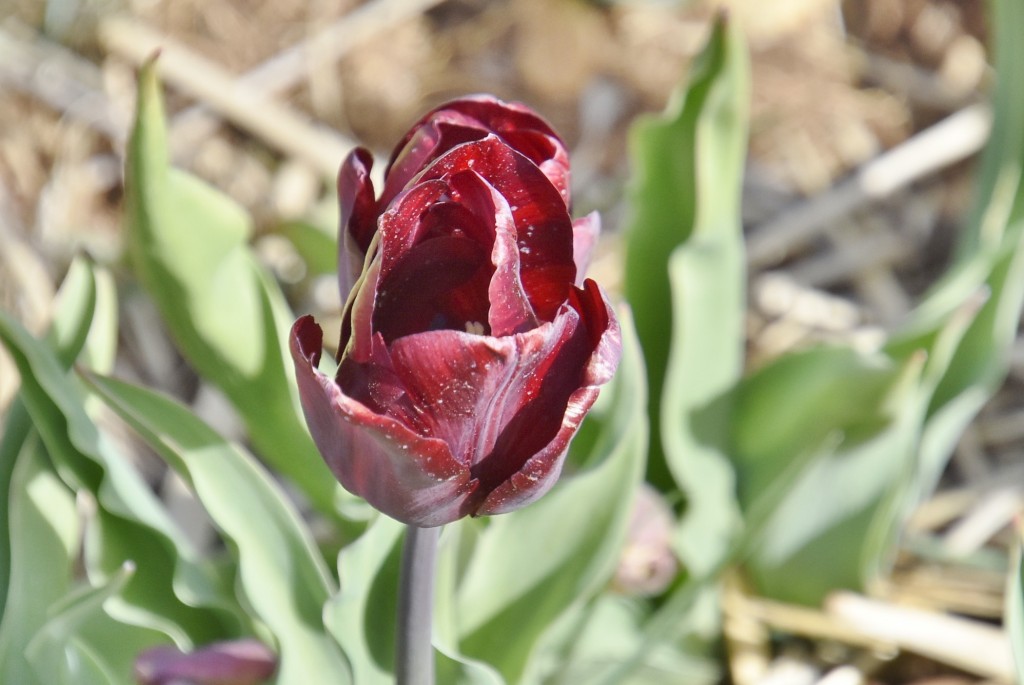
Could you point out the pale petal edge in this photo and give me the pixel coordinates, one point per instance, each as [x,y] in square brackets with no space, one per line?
[585,232]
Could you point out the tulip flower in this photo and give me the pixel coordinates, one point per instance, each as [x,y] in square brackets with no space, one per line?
[471,346]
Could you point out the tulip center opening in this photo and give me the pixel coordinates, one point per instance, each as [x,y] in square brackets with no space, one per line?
[439,284]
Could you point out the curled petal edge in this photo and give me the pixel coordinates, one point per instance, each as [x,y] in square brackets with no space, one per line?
[585,232]
[541,471]
[411,478]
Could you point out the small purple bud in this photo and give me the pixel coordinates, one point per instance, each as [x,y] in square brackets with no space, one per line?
[647,564]
[237,662]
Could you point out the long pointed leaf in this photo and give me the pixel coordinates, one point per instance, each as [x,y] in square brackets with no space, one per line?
[58,651]
[169,585]
[362,616]
[281,573]
[688,168]
[228,317]
[76,304]
[707,279]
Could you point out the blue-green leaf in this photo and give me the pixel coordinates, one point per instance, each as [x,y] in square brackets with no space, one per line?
[44,530]
[83,293]
[610,634]
[281,573]
[76,303]
[189,247]
[170,591]
[361,617]
[60,652]
[685,195]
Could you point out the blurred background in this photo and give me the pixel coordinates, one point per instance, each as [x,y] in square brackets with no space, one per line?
[266,97]
[866,119]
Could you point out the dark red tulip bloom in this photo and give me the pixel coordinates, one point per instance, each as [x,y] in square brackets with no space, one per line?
[471,346]
[239,662]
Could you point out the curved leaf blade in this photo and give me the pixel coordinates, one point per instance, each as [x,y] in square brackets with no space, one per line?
[281,573]
[44,530]
[688,169]
[189,247]
[171,591]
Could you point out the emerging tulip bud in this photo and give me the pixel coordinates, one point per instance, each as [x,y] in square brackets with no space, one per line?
[647,565]
[471,346]
[239,662]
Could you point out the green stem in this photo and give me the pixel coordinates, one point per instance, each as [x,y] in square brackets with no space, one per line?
[414,652]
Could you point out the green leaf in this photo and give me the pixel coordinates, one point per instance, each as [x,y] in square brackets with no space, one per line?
[706,360]
[529,567]
[84,327]
[686,192]
[609,634]
[281,573]
[100,348]
[60,652]
[794,404]
[455,548]
[317,247]
[44,532]
[170,591]
[76,303]
[361,617]
[990,259]
[461,670]
[77,300]
[827,516]
[824,441]
[17,425]
[998,202]
[966,326]
[189,247]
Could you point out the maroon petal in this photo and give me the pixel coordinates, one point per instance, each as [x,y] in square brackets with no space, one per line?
[426,143]
[567,390]
[543,226]
[436,244]
[239,662]
[432,287]
[459,382]
[358,216]
[472,118]
[509,307]
[409,477]
[506,406]
[603,329]
[585,232]
[548,153]
[524,130]
[541,471]
[402,224]
[495,115]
